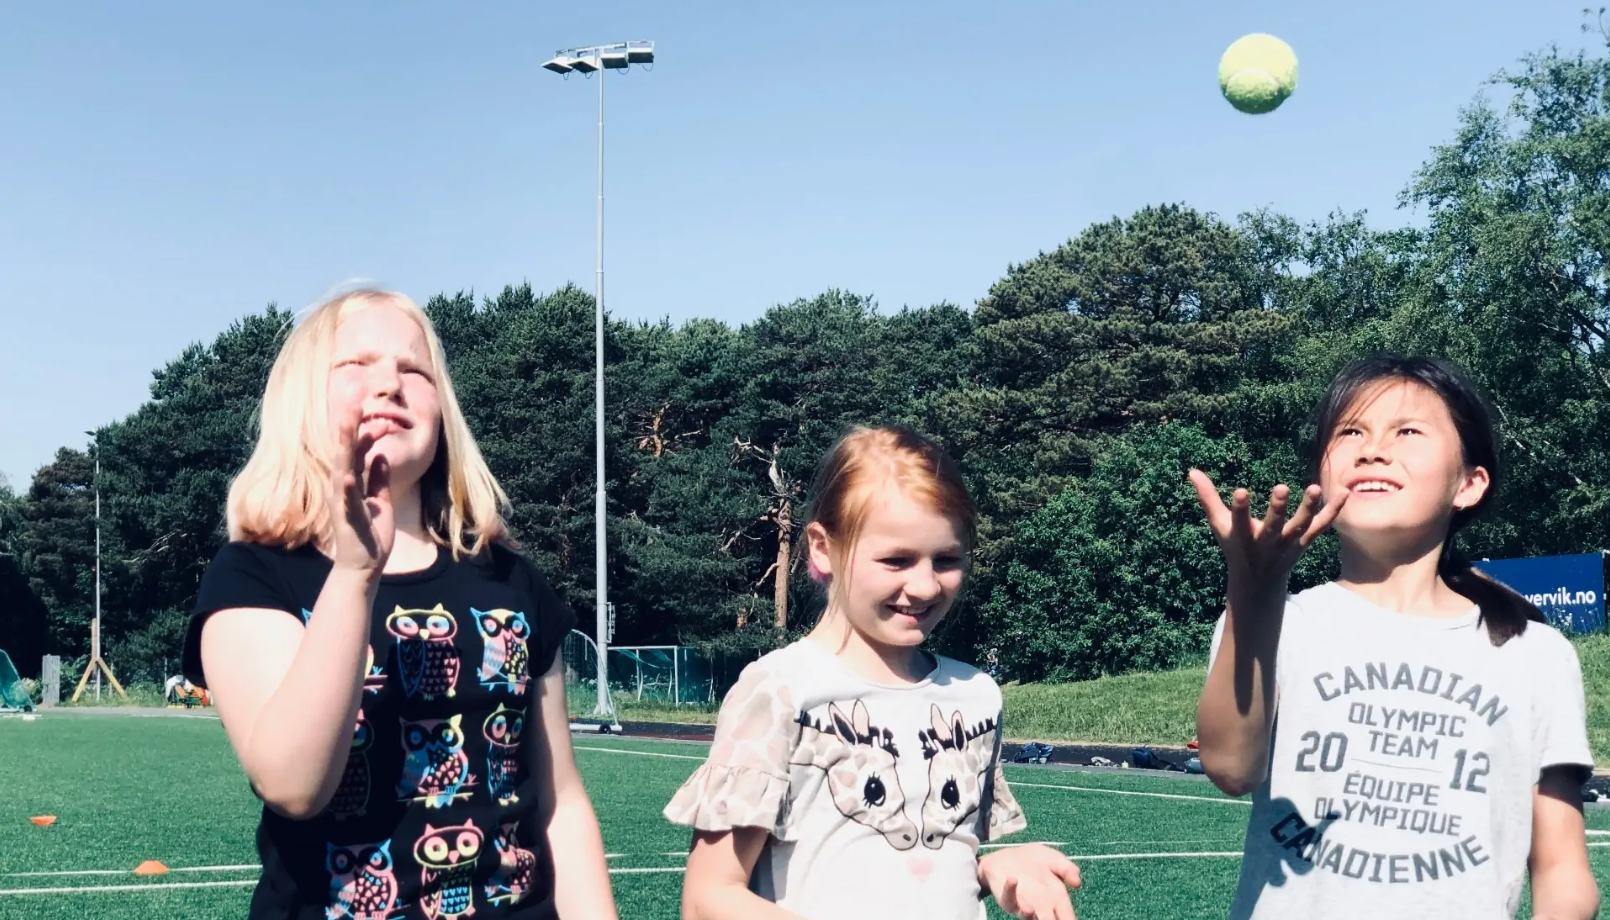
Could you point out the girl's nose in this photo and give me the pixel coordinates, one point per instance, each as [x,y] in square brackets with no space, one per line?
[924,583]
[384,379]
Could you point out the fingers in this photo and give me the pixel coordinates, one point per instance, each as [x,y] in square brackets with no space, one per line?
[1241,516]
[1208,494]
[358,460]
[1299,523]
[1325,518]
[1274,518]
[379,480]
[1040,901]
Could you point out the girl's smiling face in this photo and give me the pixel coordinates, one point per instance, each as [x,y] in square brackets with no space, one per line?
[903,572]
[1397,456]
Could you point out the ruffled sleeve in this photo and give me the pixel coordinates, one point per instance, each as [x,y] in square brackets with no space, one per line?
[1005,814]
[745,780]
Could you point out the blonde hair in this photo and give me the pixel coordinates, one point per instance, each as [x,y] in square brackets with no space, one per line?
[282,496]
[862,466]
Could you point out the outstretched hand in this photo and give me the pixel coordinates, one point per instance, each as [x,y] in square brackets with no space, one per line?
[360,499]
[1265,550]
[1031,881]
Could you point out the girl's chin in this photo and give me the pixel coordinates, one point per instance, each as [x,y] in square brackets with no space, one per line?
[901,629]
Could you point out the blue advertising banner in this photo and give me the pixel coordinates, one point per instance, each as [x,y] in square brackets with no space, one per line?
[1568,589]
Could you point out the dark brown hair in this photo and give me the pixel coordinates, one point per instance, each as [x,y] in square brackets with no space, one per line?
[1504,612]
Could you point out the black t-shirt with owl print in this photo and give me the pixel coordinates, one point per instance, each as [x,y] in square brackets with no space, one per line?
[436,814]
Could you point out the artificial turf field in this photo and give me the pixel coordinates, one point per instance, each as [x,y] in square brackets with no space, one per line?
[127,788]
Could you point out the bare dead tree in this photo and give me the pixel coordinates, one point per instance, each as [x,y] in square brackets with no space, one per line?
[783,494]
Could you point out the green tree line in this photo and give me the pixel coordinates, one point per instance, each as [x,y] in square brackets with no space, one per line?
[1075,394]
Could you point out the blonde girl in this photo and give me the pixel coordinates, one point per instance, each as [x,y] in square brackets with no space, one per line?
[384,662]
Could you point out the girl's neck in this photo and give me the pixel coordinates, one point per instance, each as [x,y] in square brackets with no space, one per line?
[413,549]
[881,664]
[1401,579]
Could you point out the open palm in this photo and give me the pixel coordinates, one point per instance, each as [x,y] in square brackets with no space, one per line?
[1268,548]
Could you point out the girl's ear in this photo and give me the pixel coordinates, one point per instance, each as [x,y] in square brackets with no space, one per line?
[1473,489]
[818,551]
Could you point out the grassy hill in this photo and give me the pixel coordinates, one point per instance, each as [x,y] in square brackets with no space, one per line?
[1160,708]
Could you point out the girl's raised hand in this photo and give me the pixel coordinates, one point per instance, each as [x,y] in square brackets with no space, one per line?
[1263,552]
[360,500]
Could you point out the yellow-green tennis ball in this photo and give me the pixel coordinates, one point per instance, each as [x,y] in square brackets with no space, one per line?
[1257,73]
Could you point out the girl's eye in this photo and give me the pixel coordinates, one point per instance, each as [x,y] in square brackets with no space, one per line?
[1409,431]
[947,563]
[1347,432]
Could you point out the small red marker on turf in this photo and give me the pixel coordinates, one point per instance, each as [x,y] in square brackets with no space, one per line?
[44,820]
[151,867]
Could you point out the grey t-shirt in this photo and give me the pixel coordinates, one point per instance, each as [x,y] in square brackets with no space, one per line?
[1403,762]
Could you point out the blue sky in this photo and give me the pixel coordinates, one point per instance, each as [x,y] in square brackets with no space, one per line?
[168,167]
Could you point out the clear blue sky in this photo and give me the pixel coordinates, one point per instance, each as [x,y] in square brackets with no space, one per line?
[168,167]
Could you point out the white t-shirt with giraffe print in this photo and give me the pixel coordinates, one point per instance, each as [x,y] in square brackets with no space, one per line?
[877,797]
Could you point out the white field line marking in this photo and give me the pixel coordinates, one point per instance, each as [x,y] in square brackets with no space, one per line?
[88,889]
[1153,795]
[237,883]
[1150,795]
[1599,833]
[605,750]
[1093,858]
[242,868]
[70,872]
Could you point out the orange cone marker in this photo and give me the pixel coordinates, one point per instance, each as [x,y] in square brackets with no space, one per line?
[44,820]
[151,867]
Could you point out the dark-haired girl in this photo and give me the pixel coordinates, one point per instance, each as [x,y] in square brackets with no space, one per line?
[1413,733]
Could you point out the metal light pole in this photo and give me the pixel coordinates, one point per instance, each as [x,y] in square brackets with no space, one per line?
[590,60]
[95,650]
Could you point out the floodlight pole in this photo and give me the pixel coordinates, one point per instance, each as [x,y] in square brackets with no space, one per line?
[96,651]
[597,61]
[600,526]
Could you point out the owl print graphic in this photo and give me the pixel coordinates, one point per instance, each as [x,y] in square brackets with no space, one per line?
[427,661]
[430,802]
[436,771]
[363,884]
[352,796]
[446,858]
[506,660]
[502,730]
[512,879]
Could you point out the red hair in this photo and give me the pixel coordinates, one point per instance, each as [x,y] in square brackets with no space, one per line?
[866,463]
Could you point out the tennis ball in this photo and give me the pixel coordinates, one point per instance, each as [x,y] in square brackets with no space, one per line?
[1257,73]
